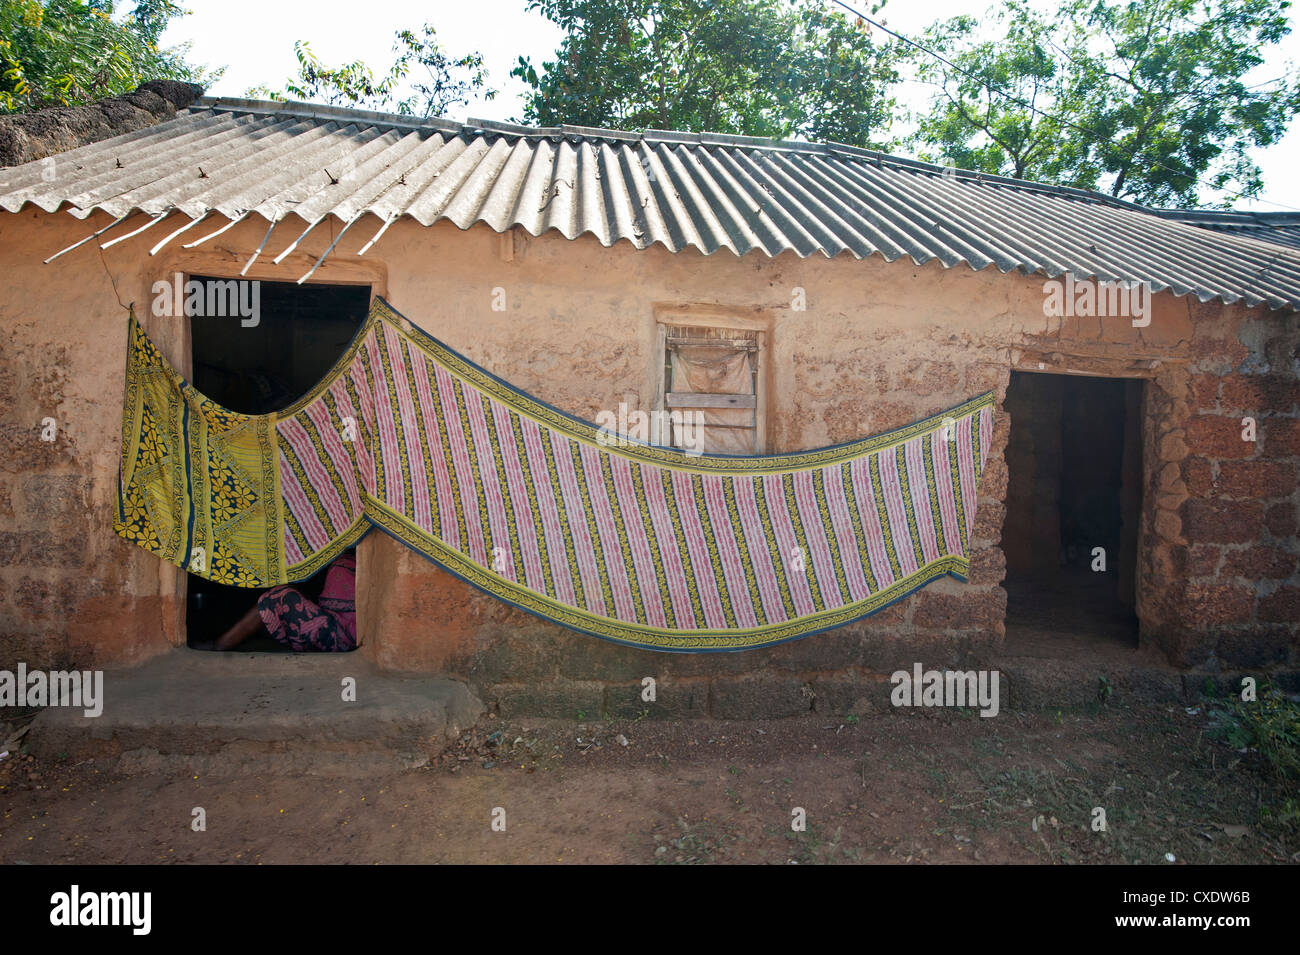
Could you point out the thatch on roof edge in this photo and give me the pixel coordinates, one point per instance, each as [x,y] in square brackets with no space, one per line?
[27,137]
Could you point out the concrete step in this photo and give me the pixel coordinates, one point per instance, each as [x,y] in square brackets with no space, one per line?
[248,713]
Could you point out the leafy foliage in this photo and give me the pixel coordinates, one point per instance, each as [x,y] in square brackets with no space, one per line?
[1269,725]
[439,83]
[1144,99]
[68,52]
[777,68]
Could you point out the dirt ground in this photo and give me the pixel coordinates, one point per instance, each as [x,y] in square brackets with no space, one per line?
[949,787]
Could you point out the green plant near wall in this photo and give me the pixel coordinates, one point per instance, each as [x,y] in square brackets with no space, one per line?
[1269,725]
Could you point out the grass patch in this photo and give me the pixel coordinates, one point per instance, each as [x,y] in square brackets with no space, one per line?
[1268,727]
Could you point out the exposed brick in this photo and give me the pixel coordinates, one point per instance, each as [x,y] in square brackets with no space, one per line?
[1281,606]
[22,450]
[40,650]
[53,550]
[833,650]
[1170,478]
[584,658]
[1173,446]
[1203,560]
[562,699]
[849,694]
[1256,479]
[1259,395]
[1228,350]
[1214,436]
[1282,437]
[1184,646]
[1209,605]
[988,520]
[708,664]
[8,385]
[1280,520]
[674,700]
[1204,392]
[931,377]
[9,541]
[1222,522]
[1170,501]
[974,608]
[993,482]
[1198,475]
[73,589]
[55,495]
[850,418]
[1168,525]
[36,597]
[986,376]
[988,566]
[1255,647]
[527,654]
[1256,563]
[890,616]
[934,648]
[759,698]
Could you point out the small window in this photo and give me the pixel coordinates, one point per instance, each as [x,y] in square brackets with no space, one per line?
[712,375]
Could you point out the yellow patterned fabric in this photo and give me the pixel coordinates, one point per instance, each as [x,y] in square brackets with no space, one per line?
[635,543]
[198,484]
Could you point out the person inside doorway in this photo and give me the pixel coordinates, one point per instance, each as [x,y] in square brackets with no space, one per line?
[291,617]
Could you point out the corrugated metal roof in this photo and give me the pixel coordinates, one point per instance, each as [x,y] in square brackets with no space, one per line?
[704,191]
[1279,228]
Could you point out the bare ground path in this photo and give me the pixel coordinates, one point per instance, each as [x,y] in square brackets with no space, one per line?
[919,788]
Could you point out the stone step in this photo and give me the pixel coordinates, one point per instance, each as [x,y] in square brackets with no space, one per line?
[246,713]
[1041,682]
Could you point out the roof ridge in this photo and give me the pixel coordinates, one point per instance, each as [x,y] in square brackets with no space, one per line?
[1230,216]
[475,127]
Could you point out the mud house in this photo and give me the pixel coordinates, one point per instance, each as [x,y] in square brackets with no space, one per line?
[1140,490]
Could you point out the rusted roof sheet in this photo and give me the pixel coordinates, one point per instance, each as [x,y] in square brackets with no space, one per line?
[682,190]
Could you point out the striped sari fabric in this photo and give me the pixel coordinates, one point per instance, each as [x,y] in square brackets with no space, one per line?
[635,543]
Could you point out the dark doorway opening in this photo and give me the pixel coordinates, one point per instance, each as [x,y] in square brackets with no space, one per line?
[1073,505]
[257,368]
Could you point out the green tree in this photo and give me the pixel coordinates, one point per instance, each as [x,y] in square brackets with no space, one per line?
[66,52]
[1145,100]
[436,81]
[777,68]
[991,111]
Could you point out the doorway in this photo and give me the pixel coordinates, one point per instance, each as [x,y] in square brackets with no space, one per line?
[1073,509]
[299,333]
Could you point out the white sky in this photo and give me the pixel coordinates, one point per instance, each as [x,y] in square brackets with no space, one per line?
[254,40]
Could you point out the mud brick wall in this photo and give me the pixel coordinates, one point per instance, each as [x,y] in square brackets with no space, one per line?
[65,590]
[838,375]
[1237,524]
[878,346]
